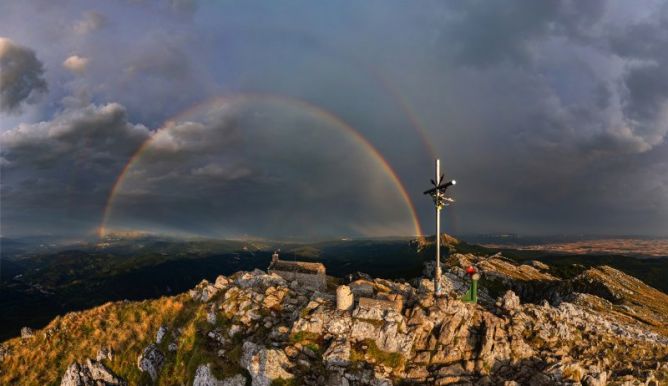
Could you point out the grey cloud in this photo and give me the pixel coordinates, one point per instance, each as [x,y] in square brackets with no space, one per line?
[482,33]
[183,5]
[21,75]
[58,173]
[93,132]
[537,107]
[644,87]
[91,21]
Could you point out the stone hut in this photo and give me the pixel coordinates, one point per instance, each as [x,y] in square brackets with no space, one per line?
[310,275]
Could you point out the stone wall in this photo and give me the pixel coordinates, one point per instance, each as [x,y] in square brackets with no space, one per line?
[378,303]
[315,281]
[362,287]
[397,299]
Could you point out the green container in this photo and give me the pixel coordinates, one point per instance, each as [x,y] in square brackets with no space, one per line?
[471,295]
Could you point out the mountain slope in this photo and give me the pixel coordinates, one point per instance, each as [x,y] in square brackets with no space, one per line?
[259,328]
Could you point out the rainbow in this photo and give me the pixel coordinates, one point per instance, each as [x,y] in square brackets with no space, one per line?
[374,72]
[248,97]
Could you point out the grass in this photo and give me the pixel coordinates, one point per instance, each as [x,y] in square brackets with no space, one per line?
[313,347]
[390,359]
[302,336]
[127,328]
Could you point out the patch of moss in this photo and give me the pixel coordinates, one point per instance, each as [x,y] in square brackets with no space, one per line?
[313,347]
[304,312]
[284,382]
[390,359]
[373,322]
[304,335]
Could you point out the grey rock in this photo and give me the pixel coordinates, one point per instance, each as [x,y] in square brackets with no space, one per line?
[264,365]
[105,353]
[162,331]
[221,282]
[204,377]
[211,317]
[27,332]
[151,361]
[509,302]
[91,373]
[337,354]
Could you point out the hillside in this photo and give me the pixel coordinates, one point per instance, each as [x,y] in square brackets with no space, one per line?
[531,326]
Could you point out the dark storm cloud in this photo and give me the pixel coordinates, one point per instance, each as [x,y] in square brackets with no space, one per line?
[59,172]
[552,114]
[645,103]
[483,33]
[21,75]
[97,131]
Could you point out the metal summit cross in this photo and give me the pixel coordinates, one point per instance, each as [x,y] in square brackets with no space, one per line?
[440,201]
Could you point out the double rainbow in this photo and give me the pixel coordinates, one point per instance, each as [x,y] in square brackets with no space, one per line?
[291,102]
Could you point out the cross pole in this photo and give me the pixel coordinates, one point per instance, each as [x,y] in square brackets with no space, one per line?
[440,200]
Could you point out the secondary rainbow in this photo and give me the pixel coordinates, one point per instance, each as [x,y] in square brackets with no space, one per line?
[290,101]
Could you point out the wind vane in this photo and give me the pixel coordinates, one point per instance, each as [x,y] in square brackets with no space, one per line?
[440,201]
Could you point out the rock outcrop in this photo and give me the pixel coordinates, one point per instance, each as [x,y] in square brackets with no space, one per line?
[204,377]
[90,373]
[265,365]
[27,332]
[594,328]
[151,360]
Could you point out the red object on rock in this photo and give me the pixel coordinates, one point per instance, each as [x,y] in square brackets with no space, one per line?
[470,270]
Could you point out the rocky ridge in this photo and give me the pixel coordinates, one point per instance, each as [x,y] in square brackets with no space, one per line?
[529,327]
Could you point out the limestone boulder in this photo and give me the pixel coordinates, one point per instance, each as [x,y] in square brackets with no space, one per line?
[312,324]
[509,302]
[221,282]
[90,373]
[203,292]
[151,361]
[260,280]
[337,354]
[104,353]
[160,335]
[211,317]
[27,332]
[362,330]
[204,377]
[391,339]
[338,324]
[265,365]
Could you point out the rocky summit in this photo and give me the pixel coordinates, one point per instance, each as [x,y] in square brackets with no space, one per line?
[532,325]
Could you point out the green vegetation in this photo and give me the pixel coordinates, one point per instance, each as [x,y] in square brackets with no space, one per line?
[284,382]
[390,359]
[302,336]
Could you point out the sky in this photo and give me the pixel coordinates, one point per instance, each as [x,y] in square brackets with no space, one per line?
[321,119]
